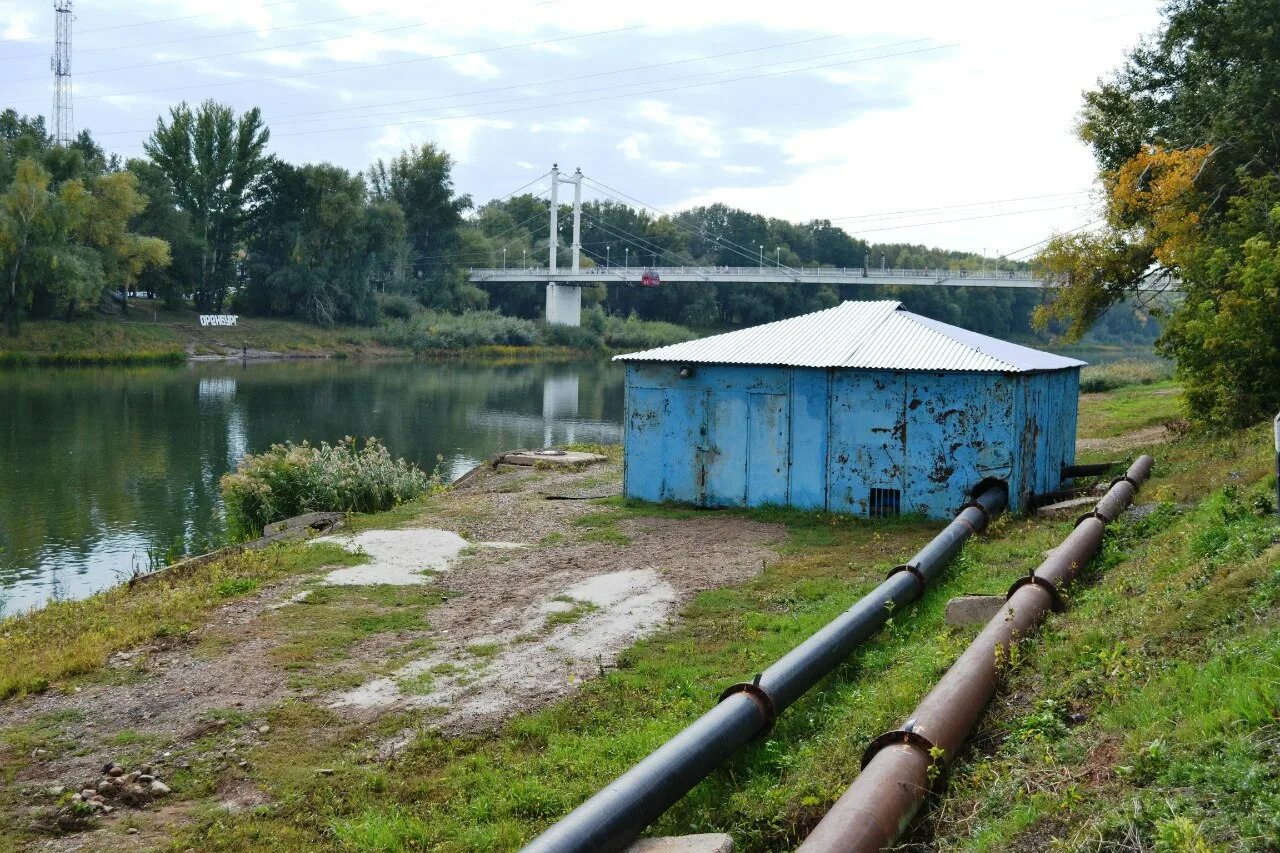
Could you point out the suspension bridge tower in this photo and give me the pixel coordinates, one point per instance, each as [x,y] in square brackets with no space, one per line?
[60,62]
[564,301]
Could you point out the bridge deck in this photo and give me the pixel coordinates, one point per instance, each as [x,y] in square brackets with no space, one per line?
[775,275]
[765,275]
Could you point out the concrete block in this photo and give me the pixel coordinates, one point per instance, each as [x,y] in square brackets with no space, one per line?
[709,842]
[973,609]
[550,457]
[1075,506]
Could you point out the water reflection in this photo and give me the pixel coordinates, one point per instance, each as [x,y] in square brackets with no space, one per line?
[100,466]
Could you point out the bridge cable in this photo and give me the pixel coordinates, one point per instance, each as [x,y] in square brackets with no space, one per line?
[740,250]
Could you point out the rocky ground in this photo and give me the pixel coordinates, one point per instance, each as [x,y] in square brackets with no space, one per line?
[492,601]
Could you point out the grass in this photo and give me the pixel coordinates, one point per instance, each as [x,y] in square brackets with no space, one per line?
[324,627]
[1139,407]
[1196,580]
[1143,716]
[1122,374]
[151,333]
[69,638]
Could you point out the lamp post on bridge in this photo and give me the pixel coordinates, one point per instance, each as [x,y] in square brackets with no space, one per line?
[626,259]
[761,257]
[777,256]
[607,250]
[504,257]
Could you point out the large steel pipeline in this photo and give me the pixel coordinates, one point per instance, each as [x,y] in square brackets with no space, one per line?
[616,816]
[899,767]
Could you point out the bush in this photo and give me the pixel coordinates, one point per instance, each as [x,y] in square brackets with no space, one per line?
[1108,377]
[290,479]
[436,331]
[397,305]
[635,334]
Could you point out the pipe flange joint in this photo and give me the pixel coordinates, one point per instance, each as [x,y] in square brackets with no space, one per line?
[915,572]
[903,736]
[768,711]
[1093,513]
[986,516]
[1125,478]
[1056,602]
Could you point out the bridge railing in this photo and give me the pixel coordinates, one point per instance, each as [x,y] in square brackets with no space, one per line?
[806,272]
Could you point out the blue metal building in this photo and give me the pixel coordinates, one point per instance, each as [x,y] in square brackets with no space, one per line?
[863,408]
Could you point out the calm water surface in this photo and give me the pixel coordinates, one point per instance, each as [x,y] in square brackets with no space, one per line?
[100,467]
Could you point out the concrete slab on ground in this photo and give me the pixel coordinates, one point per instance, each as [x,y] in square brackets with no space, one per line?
[549,456]
[973,609]
[1062,508]
[709,842]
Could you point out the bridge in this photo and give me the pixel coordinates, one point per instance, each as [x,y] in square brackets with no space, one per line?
[564,287]
[759,275]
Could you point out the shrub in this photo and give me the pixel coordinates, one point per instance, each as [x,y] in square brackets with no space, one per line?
[397,305]
[290,479]
[436,331]
[632,333]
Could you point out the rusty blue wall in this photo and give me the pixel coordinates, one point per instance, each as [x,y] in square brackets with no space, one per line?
[822,439]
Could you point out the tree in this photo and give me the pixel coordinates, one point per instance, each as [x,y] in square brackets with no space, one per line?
[315,244]
[420,181]
[24,215]
[212,160]
[1185,139]
[162,217]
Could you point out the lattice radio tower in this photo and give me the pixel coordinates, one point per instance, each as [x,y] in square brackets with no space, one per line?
[63,120]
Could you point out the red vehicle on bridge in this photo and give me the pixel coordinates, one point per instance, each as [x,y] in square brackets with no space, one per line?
[650,278]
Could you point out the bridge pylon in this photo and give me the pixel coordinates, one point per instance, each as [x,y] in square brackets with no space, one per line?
[564,301]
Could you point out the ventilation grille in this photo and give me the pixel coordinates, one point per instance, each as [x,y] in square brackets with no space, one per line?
[885,502]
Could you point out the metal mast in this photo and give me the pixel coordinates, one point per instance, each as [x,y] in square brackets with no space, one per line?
[60,62]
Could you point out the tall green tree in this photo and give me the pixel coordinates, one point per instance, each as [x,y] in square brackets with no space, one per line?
[1187,143]
[212,160]
[420,181]
[315,245]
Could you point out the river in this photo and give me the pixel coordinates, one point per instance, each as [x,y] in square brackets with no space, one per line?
[104,469]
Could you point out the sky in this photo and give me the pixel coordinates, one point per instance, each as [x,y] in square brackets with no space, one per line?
[943,123]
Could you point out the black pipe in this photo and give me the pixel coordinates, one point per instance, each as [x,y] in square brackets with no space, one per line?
[1090,469]
[616,816]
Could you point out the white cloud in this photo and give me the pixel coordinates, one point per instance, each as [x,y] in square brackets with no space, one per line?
[696,132]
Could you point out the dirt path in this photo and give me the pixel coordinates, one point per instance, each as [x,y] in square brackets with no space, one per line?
[530,605]
[1159,434]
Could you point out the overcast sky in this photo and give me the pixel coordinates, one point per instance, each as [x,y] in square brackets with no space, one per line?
[851,111]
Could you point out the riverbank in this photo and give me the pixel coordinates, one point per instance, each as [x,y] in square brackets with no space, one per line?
[151,333]
[288,705]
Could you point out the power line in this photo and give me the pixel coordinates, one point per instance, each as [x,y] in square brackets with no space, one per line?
[264,49]
[608,97]
[967,218]
[527,98]
[150,23]
[259,31]
[1015,252]
[398,62]
[890,214]
[554,80]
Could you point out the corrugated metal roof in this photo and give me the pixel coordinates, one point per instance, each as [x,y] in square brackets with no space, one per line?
[867,335]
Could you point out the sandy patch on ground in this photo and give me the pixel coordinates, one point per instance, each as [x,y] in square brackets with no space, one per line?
[608,612]
[398,557]
[522,628]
